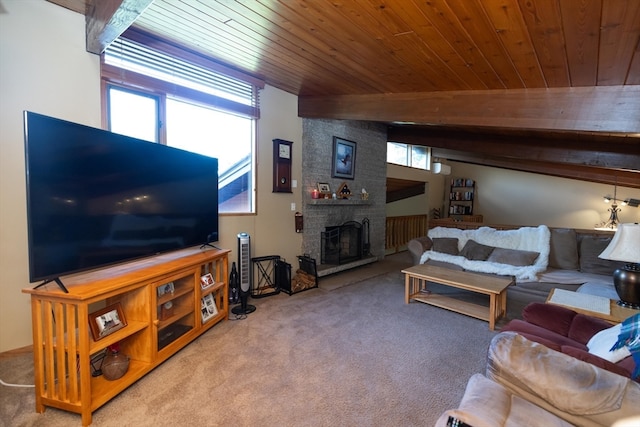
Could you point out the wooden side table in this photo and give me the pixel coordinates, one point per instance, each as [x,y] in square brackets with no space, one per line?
[616,313]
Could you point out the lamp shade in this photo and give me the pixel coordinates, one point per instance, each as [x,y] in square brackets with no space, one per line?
[625,245]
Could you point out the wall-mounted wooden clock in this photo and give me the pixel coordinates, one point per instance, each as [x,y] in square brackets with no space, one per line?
[281,166]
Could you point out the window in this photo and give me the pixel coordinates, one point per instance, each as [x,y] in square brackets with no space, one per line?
[171,96]
[415,156]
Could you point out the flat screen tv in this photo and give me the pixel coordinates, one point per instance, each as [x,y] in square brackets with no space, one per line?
[96,198]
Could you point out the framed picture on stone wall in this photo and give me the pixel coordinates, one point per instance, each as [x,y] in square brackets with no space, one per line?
[344,158]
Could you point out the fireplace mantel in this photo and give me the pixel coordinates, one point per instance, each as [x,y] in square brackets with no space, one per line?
[338,202]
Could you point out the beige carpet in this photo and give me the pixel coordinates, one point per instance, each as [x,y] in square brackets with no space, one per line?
[394,262]
[356,355]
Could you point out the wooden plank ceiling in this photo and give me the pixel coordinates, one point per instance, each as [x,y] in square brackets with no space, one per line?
[467,77]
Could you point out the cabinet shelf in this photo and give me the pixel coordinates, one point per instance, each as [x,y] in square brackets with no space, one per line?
[213,288]
[178,315]
[103,390]
[175,295]
[60,322]
[131,328]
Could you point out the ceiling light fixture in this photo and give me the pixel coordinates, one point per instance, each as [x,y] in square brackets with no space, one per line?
[613,221]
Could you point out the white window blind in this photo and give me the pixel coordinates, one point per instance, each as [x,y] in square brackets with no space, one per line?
[238,95]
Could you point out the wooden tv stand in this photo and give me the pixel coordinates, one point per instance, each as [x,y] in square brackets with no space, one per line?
[63,344]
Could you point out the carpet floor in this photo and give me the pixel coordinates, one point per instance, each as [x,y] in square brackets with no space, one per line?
[347,353]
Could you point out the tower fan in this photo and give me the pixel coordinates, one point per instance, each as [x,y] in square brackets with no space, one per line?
[244,273]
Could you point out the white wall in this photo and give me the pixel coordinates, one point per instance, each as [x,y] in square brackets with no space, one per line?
[519,198]
[417,205]
[45,68]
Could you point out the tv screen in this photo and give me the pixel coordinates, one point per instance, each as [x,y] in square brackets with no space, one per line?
[96,198]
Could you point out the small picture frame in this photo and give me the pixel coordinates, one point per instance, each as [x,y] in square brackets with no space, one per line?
[208,308]
[106,321]
[206,281]
[324,188]
[344,158]
[167,288]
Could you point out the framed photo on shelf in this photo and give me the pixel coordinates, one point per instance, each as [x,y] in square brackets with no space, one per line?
[206,281]
[106,321]
[324,188]
[208,308]
[167,288]
[344,158]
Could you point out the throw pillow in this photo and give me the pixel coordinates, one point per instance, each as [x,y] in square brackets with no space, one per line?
[590,248]
[446,245]
[476,251]
[600,345]
[513,256]
[563,250]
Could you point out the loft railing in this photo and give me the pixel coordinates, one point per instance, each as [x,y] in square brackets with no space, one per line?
[401,229]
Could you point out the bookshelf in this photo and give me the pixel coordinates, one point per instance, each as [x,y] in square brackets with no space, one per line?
[462,194]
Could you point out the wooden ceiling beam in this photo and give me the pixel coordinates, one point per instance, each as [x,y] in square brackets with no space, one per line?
[590,150]
[107,19]
[404,193]
[625,178]
[593,109]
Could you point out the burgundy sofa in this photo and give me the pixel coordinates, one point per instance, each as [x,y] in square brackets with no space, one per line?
[564,330]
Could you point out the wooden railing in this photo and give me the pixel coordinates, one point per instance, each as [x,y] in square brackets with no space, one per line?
[401,229]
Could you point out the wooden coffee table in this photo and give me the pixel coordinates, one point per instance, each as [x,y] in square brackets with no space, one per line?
[418,276]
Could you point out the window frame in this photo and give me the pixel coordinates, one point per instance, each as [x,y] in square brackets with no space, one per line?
[409,155]
[135,82]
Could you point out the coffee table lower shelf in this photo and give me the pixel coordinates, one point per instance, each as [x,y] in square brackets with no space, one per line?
[453,304]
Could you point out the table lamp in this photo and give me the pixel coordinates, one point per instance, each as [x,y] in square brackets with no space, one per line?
[625,246]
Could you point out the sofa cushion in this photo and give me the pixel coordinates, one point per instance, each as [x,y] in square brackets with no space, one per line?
[585,356]
[445,245]
[540,335]
[476,251]
[487,404]
[563,251]
[549,316]
[567,384]
[583,327]
[513,256]
[590,248]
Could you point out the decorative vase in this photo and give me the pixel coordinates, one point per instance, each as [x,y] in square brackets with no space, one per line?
[115,365]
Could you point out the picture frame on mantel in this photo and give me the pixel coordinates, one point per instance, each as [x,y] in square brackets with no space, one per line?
[344,158]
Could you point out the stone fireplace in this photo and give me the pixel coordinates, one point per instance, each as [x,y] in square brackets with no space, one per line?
[320,240]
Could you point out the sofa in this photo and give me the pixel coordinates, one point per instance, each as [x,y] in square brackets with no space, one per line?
[539,258]
[571,333]
[527,383]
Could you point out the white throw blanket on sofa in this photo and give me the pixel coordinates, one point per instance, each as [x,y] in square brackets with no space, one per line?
[535,239]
